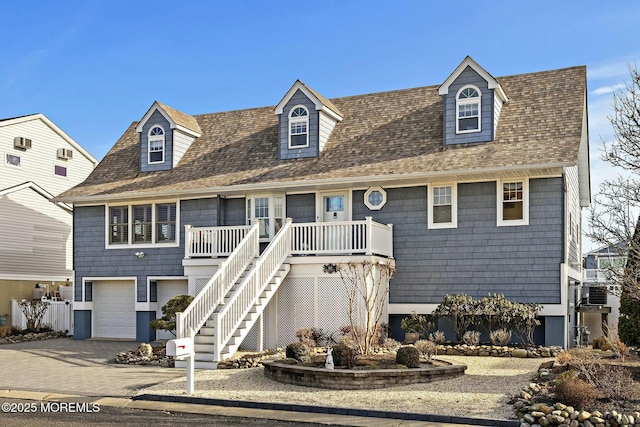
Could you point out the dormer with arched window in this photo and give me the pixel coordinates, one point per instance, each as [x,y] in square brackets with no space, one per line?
[472,101]
[165,136]
[305,122]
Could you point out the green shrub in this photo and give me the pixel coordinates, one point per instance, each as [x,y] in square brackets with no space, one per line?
[629,321]
[167,322]
[461,310]
[416,323]
[408,356]
[298,351]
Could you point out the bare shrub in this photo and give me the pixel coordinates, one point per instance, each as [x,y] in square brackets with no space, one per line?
[573,391]
[437,337]
[5,331]
[615,382]
[471,338]
[390,344]
[305,336]
[500,337]
[34,312]
[426,348]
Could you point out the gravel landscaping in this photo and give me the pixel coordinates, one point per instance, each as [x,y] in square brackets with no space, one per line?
[483,392]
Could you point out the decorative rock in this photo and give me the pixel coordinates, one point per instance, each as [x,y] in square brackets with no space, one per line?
[529,418]
[587,423]
[519,352]
[543,422]
[583,416]
[145,350]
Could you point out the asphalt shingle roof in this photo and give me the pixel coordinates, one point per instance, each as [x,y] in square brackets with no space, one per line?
[382,134]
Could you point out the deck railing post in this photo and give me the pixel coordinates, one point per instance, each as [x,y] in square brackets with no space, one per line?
[187,241]
[369,234]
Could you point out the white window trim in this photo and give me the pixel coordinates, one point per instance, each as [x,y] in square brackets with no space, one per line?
[298,120]
[378,206]
[525,203]
[6,160]
[130,244]
[466,102]
[60,176]
[156,138]
[272,218]
[454,206]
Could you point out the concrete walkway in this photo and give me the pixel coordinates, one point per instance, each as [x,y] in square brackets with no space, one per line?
[67,370]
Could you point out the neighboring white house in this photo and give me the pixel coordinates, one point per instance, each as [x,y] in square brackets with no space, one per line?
[39,161]
[599,303]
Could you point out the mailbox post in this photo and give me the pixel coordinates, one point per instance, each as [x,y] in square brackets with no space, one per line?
[182,348]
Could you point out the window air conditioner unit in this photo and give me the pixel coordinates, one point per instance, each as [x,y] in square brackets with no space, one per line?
[21,142]
[65,153]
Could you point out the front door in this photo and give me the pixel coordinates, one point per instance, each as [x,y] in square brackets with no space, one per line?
[334,210]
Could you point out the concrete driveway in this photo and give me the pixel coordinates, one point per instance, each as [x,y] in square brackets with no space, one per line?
[81,367]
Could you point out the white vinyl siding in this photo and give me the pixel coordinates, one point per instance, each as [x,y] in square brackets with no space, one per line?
[36,162]
[35,236]
[326,127]
[181,143]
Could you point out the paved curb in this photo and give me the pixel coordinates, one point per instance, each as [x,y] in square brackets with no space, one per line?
[368,413]
[273,411]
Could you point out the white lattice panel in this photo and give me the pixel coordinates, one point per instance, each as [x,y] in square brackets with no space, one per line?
[295,307]
[201,282]
[332,305]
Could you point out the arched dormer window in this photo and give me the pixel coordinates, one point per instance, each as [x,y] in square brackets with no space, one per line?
[468,110]
[298,127]
[156,145]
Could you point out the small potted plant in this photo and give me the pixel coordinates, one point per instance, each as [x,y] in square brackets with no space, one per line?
[414,326]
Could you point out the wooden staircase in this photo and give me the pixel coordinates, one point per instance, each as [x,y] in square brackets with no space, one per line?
[223,313]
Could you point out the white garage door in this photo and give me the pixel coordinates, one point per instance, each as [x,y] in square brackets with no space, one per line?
[168,289]
[114,309]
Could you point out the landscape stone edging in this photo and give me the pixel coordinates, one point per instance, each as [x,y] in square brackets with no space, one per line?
[357,379]
[32,336]
[559,414]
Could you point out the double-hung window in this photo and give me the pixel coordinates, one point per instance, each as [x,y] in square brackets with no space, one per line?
[156,145]
[144,224]
[513,202]
[269,211]
[468,110]
[442,201]
[298,127]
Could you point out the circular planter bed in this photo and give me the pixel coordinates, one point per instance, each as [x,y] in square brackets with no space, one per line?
[359,379]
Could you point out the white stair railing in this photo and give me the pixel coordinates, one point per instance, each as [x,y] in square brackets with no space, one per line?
[196,314]
[227,320]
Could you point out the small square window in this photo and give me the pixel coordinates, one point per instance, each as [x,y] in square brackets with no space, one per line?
[13,160]
[60,170]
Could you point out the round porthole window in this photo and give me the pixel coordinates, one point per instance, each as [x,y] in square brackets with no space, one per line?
[375,198]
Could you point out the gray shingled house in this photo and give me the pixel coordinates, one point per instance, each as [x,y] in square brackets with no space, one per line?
[473,186]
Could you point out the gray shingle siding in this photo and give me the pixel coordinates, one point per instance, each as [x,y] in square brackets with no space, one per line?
[93,260]
[156,119]
[313,149]
[233,212]
[301,207]
[477,257]
[468,77]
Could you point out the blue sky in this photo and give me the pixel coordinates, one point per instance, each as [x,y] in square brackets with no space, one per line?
[93,67]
